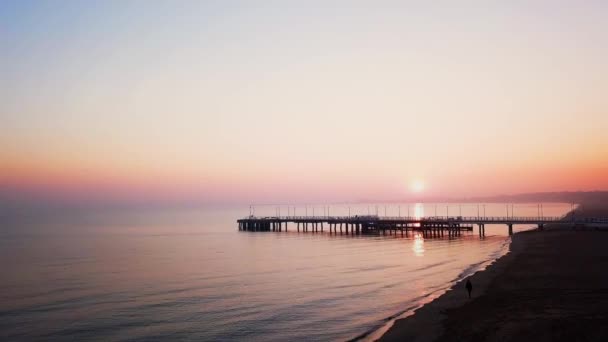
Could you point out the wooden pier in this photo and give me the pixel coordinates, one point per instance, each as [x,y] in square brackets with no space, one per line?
[432,225]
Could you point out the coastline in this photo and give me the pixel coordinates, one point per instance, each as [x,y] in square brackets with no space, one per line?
[426,323]
[550,285]
[376,334]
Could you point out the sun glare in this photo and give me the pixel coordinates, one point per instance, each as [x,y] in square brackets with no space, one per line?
[417,185]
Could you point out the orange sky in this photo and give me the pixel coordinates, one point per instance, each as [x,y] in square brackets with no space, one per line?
[317,102]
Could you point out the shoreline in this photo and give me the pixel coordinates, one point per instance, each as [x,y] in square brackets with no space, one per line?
[378,333]
[429,317]
[550,285]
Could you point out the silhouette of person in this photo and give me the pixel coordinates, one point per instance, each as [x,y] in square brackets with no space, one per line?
[469,287]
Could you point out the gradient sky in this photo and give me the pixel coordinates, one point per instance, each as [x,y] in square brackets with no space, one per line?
[283,101]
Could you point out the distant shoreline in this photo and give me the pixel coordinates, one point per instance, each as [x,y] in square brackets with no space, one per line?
[525,282]
[532,197]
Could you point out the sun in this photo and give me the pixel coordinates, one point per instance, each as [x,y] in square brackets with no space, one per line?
[417,186]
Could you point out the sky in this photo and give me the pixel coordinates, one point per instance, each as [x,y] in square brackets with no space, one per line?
[301,101]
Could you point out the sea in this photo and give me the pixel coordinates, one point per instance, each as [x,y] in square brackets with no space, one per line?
[189,274]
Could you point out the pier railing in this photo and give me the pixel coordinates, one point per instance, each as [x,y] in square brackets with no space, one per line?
[435,224]
[354,224]
[473,219]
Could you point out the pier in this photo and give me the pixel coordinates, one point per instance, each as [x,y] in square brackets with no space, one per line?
[373,224]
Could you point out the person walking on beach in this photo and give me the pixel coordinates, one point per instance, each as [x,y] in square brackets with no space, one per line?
[469,286]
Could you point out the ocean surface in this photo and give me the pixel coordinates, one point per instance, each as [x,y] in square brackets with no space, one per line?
[189,274]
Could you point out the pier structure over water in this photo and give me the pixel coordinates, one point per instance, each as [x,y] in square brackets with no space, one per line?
[433,225]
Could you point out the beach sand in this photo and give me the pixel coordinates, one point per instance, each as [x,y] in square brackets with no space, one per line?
[552,285]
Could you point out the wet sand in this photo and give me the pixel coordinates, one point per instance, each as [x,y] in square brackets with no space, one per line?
[552,285]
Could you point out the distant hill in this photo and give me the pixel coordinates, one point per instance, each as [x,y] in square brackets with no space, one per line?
[579,197]
[563,196]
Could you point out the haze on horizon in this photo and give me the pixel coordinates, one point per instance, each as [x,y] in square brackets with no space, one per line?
[238,102]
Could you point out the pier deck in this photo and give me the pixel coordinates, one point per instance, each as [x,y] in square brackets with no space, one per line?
[373,224]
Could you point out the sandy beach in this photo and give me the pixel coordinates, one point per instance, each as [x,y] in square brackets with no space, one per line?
[552,285]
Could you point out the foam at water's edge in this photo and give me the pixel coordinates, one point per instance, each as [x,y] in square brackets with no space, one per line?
[417,303]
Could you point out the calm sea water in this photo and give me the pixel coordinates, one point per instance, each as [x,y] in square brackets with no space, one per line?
[191,275]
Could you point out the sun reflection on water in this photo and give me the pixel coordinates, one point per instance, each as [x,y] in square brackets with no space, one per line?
[418,246]
[418,210]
